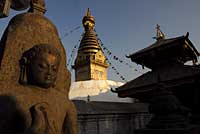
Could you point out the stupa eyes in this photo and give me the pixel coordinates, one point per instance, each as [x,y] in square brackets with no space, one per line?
[88,23]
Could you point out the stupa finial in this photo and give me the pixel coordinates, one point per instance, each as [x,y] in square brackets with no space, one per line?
[88,20]
[88,13]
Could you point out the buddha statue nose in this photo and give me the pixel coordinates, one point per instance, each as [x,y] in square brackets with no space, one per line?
[50,69]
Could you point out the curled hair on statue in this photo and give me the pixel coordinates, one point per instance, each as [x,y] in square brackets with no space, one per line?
[40,49]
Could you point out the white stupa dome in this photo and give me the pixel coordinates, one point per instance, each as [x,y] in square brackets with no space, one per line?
[96,90]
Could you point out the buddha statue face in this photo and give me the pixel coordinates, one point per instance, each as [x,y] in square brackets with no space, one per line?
[42,66]
[43,70]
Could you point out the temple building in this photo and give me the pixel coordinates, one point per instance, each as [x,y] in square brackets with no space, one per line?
[166,58]
[90,63]
[171,87]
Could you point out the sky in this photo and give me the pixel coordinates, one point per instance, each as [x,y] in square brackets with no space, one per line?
[124,26]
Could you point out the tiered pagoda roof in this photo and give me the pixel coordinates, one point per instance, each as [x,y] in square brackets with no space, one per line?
[164,51]
[89,42]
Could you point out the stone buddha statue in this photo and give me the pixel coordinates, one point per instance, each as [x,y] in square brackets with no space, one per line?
[34,80]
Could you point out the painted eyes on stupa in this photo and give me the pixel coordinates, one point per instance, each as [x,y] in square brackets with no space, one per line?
[88,23]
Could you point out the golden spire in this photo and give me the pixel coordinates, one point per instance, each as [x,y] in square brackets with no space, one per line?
[90,63]
[89,41]
[88,12]
[159,33]
[88,21]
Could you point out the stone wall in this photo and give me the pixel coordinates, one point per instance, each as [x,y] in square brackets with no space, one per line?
[111,118]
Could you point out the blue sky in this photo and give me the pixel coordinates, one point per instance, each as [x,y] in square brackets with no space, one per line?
[124,26]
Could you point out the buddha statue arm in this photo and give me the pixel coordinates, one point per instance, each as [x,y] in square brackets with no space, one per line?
[70,123]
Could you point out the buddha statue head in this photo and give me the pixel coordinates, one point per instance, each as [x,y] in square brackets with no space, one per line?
[39,66]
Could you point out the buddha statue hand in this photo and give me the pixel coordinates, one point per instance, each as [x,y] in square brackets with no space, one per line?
[40,121]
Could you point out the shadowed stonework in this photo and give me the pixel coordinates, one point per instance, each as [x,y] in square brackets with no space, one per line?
[27,105]
[171,87]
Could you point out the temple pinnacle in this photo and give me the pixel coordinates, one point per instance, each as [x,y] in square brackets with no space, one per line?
[88,12]
[159,33]
[88,21]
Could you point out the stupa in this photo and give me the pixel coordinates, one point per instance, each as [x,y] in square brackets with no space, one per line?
[91,66]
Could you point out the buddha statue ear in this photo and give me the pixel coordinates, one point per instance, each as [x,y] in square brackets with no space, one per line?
[23,70]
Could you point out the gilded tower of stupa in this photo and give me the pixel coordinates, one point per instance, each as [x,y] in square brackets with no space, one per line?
[90,63]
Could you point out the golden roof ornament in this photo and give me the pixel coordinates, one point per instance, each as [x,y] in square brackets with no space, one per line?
[89,41]
[159,33]
[88,21]
[88,12]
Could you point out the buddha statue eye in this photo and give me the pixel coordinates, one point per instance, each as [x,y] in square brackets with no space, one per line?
[42,66]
